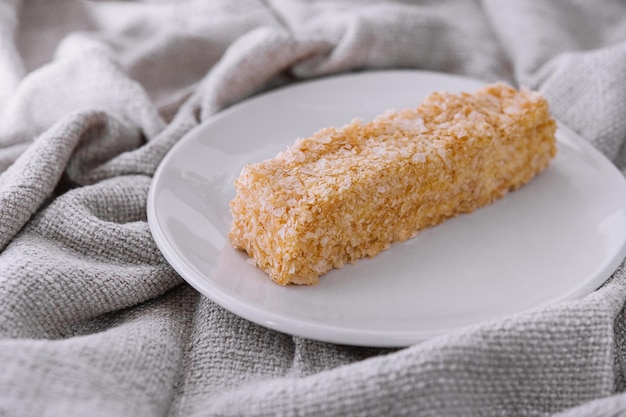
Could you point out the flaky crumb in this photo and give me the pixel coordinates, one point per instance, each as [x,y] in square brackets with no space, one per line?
[346,193]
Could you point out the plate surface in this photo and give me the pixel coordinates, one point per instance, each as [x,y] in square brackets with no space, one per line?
[557,238]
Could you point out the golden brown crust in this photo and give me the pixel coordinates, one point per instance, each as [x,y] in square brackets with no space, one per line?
[351,192]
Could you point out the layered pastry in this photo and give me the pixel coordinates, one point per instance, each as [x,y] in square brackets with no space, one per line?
[350,192]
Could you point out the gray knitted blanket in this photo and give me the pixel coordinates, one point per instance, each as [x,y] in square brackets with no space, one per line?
[93,320]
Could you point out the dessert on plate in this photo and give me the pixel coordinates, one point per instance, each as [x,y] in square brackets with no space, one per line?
[350,192]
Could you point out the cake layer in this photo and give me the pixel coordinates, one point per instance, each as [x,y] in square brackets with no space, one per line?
[346,193]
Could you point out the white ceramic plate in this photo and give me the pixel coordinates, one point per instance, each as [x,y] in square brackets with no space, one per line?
[558,238]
